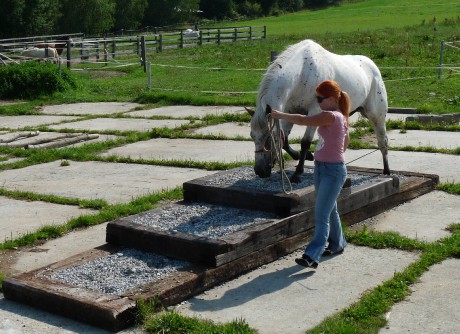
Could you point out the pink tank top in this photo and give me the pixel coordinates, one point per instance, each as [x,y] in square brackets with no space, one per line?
[330,145]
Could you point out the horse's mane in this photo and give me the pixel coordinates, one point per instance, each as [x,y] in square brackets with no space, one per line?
[278,65]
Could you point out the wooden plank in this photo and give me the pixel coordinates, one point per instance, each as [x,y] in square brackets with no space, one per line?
[109,312]
[411,188]
[252,240]
[282,204]
[176,245]
[367,193]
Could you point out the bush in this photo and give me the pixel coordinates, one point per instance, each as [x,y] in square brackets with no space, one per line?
[31,79]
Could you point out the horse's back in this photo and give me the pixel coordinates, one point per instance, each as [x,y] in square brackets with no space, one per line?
[39,53]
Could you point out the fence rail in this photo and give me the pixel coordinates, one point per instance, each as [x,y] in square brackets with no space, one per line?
[81,49]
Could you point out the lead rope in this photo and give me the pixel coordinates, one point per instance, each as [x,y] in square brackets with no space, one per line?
[277,149]
[349,162]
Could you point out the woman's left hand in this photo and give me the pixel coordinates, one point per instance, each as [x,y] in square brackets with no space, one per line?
[276,114]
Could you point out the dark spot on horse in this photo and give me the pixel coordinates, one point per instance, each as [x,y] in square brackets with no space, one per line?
[280,66]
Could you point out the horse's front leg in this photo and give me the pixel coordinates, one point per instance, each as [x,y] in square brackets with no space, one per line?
[304,154]
[289,150]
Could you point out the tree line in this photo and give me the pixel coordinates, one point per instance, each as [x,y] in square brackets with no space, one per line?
[21,18]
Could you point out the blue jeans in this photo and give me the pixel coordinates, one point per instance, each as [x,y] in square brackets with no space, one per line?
[328,179]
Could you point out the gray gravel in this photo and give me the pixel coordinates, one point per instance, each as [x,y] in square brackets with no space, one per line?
[120,272]
[245,178]
[203,219]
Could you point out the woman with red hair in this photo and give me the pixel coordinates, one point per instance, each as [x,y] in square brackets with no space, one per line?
[330,171]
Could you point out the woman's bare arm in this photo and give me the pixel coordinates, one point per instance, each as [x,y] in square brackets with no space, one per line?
[321,119]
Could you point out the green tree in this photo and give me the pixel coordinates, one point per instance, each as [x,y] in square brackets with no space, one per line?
[129,13]
[87,16]
[217,9]
[169,12]
[12,18]
[268,6]
[41,17]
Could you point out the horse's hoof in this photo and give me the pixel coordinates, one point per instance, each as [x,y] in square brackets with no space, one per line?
[295,178]
[309,156]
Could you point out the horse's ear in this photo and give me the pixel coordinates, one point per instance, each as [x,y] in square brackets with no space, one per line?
[250,111]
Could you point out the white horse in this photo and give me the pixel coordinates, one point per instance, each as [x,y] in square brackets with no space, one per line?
[289,85]
[189,33]
[40,53]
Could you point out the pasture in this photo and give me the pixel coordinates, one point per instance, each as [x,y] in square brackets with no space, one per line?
[404,40]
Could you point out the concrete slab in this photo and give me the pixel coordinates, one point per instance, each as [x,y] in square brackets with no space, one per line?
[19,122]
[7,160]
[187,111]
[390,116]
[60,249]
[186,149]
[241,130]
[420,138]
[98,108]
[50,136]
[21,217]
[113,182]
[119,124]
[444,165]
[276,279]
[282,297]
[416,219]
[433,305]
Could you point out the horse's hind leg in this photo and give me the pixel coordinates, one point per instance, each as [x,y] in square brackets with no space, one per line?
[382,140]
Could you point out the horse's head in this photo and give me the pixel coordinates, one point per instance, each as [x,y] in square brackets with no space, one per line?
[260,134]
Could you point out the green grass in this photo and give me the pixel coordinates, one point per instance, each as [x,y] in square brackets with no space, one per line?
[368,314]
[359,16]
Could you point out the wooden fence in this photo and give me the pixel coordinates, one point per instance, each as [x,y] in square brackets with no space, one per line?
[104,49]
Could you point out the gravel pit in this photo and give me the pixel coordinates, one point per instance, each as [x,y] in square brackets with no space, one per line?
[203,219]
[245,178]
[120,272]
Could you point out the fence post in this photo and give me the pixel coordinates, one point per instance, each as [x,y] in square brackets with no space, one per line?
[106,52]
[181,39]
[69,52]
[97,51]
[440,60]
[149,77]
[235,34]
[250,33]
[160,48]
[143,53]
[218,36]
[265,32]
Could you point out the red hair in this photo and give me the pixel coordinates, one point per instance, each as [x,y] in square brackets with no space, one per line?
[331,88]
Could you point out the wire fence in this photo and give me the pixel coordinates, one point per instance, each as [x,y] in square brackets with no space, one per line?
[130,51]
[78,49]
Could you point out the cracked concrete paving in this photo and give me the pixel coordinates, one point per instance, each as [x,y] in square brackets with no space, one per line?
[279,297]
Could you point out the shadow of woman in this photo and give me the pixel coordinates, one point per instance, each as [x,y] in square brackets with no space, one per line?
[259,286]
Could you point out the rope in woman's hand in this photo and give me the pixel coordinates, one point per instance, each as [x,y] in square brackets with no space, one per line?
[276,146]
